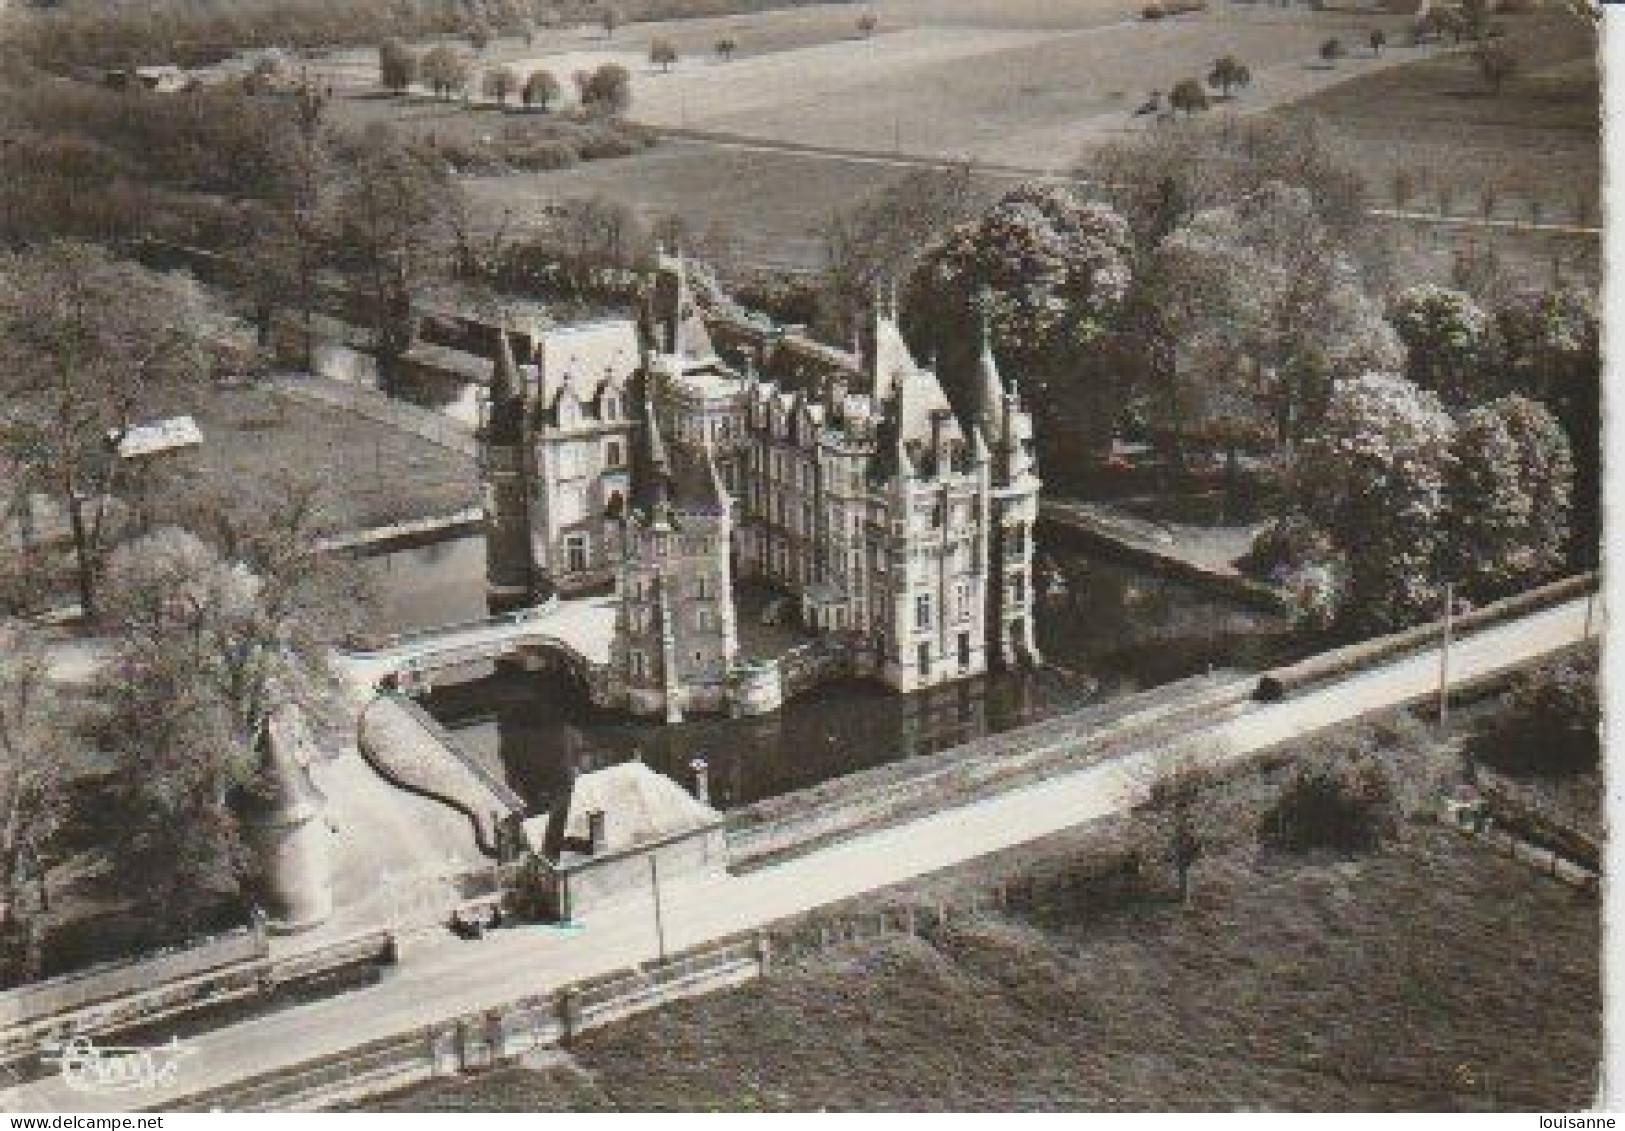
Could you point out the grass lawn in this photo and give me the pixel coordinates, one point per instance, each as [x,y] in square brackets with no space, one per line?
[377,474]
[1434,975]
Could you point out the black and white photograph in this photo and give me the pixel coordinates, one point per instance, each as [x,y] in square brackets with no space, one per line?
[772,556]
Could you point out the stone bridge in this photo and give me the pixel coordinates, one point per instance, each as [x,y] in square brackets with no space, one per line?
[576,633]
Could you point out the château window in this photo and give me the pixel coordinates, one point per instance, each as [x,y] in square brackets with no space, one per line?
[704,620]
[640,665]
[1018,538]
[613,453]
[575,553]
[922,611]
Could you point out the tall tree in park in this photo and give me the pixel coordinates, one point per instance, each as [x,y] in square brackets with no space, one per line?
[34,720]
[1160,179]
[663,54]
[1550,350]
[1446,335]
[172,843]
[1510,485]
[479,35]
[874,243]
[499,83]
[867,23]
[1332,50]
[250,600]
[1378,39]
[446,70]
[393,209]
[1188,97]
[541,89]
[87,346]
[609,18]
[1046,273]
[1228,74]
[726,47]
[1260,310]
[397,66]
[1374,478]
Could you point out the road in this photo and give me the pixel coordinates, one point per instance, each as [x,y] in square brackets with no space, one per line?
[442,977]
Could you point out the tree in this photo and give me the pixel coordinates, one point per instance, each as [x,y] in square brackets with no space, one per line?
[1176,814]
[250,599]
[609,17]
[1263,311]
[541,89]
[726,47]
[446,70]
[1378,39]
[1549,349]
[1374,479]
[1161,178]
[1550,721]
[499,83]
[393,211]
[397,66]
[1445,334]
[1229,73]
[171,841]
[1332,50]
[34,720]
[1510,485]
[877,240]
[1497,63]
[1340,796]
[479,35]
[1046,274]
[87,346]
[1188,97]
[608,88]
[867,23]
[663,53]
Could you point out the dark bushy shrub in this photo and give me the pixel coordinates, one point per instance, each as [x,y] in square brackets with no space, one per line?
[1340,799]
[1549,722]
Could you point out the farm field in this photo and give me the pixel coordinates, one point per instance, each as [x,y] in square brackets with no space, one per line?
[1539,137]
[1435,976]
[1001,94]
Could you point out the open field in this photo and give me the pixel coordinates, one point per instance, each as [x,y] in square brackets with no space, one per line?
[1002,93]
[1538,137]
[1433,976]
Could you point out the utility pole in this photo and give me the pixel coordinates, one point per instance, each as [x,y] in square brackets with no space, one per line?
[1444,657]
[654,886]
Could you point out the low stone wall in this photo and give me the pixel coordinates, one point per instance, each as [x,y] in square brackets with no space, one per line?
[1369,653]
[799,822]
[71,992]
[167,990]
[489,1037]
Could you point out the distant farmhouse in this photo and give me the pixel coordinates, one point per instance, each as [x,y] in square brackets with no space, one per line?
[628,455]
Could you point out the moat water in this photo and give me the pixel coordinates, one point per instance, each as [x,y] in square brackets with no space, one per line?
[1114,631]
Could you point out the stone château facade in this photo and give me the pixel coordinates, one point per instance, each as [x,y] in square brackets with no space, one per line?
[630,454]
